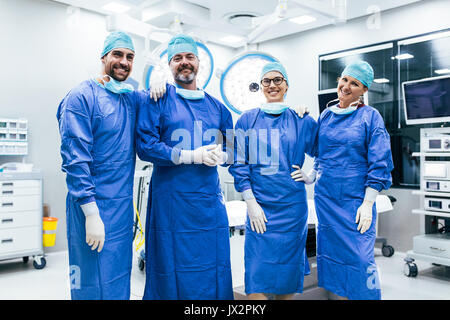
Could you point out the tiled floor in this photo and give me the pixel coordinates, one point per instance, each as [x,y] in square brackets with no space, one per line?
[22,281]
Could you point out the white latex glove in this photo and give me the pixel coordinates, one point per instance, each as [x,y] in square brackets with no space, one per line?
[255,212]
[201,155]
[160,76]
[157,91]
[219,156]
[300,175]
[300,110]
[95,229]
[364,213]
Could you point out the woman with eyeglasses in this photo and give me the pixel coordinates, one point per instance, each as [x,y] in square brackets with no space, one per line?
[353,164]
[269,141]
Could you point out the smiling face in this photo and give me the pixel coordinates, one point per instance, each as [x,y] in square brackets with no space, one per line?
[273,92]
[349,90]
[184,67]
[118,63]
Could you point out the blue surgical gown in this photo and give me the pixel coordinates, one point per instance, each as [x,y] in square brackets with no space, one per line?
[98,156]
[187,234]
[354,153]
[266,148]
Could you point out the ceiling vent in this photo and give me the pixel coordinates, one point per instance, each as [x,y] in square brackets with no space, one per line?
[242,20]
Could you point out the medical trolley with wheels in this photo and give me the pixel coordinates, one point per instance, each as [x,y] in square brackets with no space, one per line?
[21,215]
[434,245]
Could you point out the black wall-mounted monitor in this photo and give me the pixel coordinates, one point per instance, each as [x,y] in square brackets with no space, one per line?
[427,100]
[326,96]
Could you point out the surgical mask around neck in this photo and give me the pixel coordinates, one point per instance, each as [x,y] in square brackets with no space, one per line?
[116,86]
[350,109]
[274,107]
[190,94]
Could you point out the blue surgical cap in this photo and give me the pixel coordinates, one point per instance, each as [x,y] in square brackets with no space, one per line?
[361,71]
[117,39]
[275,66]
[181,43]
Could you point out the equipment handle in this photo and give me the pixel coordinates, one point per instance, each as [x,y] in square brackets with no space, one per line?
[439,249]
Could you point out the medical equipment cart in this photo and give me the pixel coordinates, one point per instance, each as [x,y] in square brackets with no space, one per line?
[434,245]
[21,215]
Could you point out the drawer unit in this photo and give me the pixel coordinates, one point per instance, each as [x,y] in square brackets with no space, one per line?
[20,192]
[21,215]
[19,219]
[11,185]
[20,203]
[433,244]
[20,239]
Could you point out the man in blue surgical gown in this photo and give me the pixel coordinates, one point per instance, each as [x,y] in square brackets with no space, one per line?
[184,134]
[97,122]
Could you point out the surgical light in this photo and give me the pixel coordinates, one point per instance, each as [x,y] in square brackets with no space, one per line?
[303,19]
[116,7]
[160,68]
[239,83]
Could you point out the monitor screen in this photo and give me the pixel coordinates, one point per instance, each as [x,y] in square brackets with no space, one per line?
[427,101]
[325,97]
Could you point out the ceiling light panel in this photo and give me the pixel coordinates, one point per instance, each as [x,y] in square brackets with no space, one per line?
[116,7]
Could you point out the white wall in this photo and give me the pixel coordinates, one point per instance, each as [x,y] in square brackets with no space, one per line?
[44,53]
[299,53]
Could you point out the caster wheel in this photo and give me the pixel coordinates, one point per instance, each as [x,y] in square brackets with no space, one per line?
[25,259]
[141,264]
[39,264]
[410,270]
[388,251]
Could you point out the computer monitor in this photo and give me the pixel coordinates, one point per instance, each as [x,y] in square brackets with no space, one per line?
[427,100]
[326,96]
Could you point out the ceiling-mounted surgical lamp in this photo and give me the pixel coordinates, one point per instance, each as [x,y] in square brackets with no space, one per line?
[157,66]
[275,17]
[239,82]
[128,24]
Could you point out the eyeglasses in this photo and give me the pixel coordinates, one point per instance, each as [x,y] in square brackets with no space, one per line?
[276,81]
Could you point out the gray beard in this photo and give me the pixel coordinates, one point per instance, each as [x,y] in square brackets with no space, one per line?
[183,79]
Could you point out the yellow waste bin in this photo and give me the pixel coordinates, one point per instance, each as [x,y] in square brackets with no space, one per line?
[49,225]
